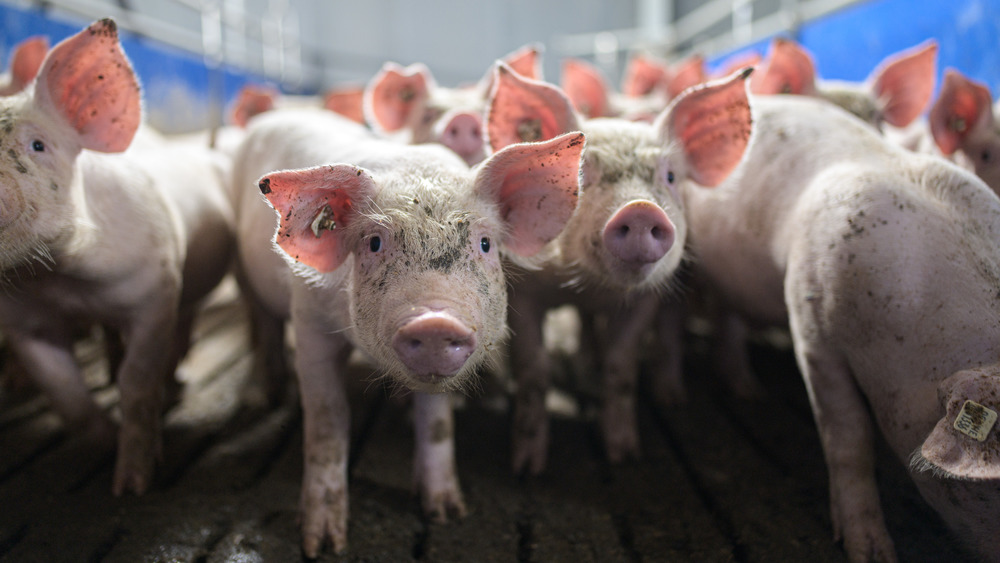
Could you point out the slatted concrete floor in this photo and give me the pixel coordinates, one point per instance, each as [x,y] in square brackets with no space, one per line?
[721,479]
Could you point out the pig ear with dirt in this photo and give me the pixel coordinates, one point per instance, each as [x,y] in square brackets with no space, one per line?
[87,80]
[392,95]
[962,110]
[701,121]
[24,64]
[522,110]
[585,87]
[965,443]
[316,205]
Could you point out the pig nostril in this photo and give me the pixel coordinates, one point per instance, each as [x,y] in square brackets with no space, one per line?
[657,233]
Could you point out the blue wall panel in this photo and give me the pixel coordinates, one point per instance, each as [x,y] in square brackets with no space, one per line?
[850,43]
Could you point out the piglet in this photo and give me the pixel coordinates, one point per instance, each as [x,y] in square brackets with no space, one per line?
[408,100]
[885,264]
[395,250]
[130,241]
[621,248]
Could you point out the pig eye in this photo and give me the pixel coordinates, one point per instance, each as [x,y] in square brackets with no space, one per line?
[985,156]
[670,176]
[37,146]
[375,244]
[484,244]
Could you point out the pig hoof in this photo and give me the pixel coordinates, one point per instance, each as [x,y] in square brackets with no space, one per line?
[135,478]
[870,546]
[324,517]
[444,506]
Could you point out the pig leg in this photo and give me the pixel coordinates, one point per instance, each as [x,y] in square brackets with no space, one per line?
[434,460]
[321,362]
[621,370]
[270,374]
[531,365]
[668,374]
[141,385]
[847,435]
[51,363]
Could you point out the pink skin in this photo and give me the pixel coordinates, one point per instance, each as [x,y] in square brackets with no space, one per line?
[856,243]
[965,129]
[408,100]
[434,344]
[128,241]
[24,64]
[429,315]
[623,243]
[639,234]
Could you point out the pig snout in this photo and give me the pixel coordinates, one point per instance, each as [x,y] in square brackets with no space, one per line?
[639,233]
[464,135]
[434,344]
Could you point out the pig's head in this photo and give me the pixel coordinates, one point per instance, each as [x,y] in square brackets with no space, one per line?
[957,468]
[84,97]
[896,92]
[24,64]
[962,120]
[427,290]
[629,231]
[407,99]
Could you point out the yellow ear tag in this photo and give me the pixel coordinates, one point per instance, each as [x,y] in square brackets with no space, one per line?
[975,420]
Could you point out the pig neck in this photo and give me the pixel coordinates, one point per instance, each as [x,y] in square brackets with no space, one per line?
[738,229]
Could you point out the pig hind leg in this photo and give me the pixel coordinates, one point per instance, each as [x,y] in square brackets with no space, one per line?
[846,431]
[270,373]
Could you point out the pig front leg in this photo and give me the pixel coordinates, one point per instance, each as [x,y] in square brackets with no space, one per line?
[531,365]
[321,362]
[668,359]
[621,370]
[731,357]
[847,436]
[434,461]
[148,362]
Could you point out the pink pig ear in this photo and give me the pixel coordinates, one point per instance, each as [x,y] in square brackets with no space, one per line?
[314,206]
[395,93]
[347,101]
[26,60]
[252,100]
[962,106]
[905,83]
[536,186]
[643,75]
[523,110]
[964,442]
[585,87]
[526,61]
[712,123]
[88,80]
[788,69]
[690,72]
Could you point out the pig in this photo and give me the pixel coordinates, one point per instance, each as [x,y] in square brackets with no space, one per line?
[394,250]
[885,266]
[895,93]
[407,100]
[643,98]
[619,252]
[963,127]
[130,241]
[24,63]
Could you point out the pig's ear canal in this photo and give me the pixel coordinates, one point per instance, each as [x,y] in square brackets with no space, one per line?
[536,186]
[962,106]
[712,124]
[88,80]
[314,205]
